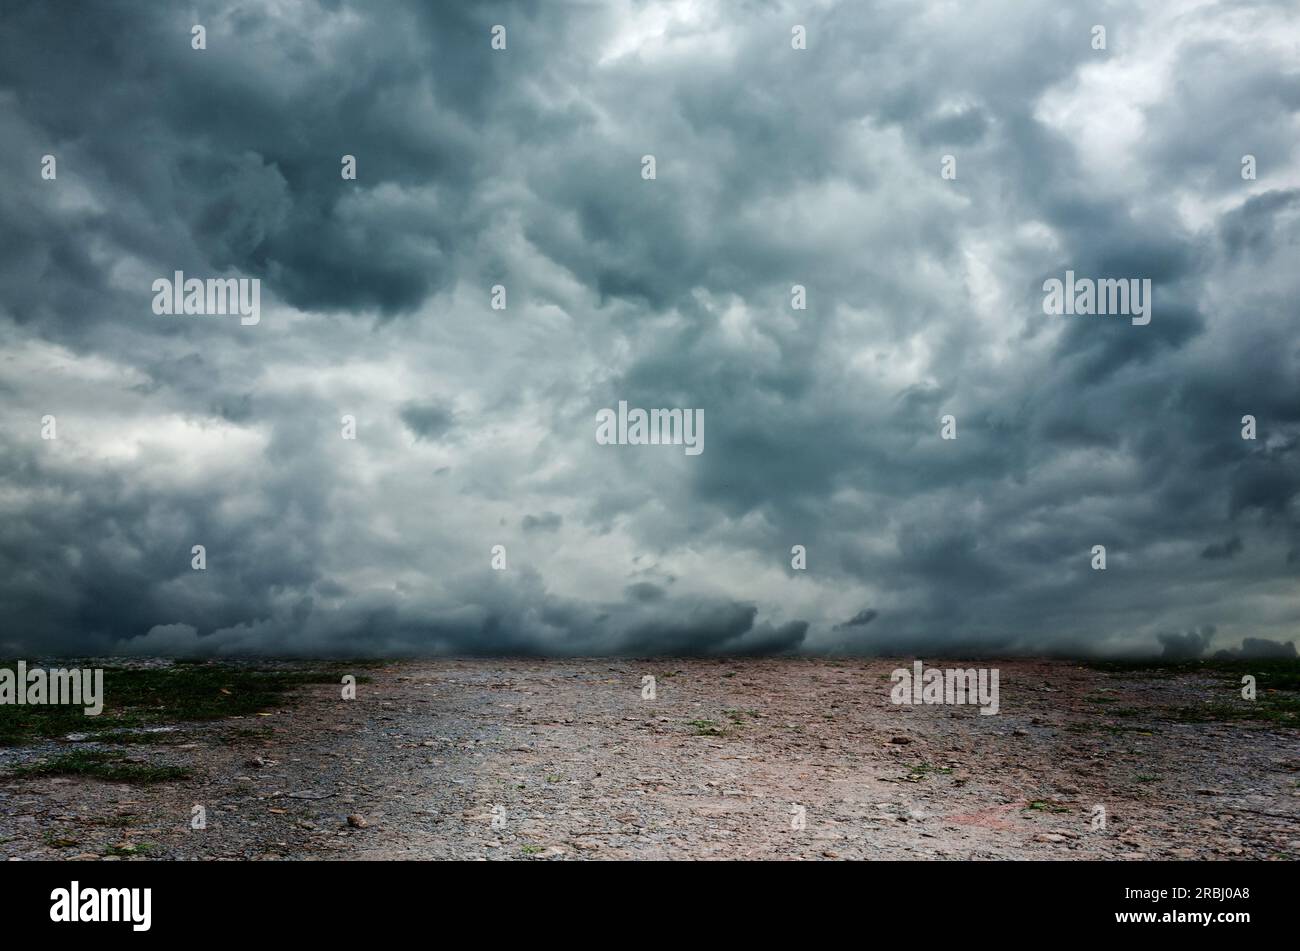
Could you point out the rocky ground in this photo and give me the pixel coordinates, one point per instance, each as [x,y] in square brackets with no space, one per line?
[551,759]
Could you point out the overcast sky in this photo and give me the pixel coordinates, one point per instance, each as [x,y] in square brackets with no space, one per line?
[476,427]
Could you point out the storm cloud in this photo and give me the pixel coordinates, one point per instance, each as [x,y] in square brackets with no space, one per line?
[521,168]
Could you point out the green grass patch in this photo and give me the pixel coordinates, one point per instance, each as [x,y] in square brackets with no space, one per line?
[141,738]
[249,733]
[128,849]
[1277,685]
[99,764]
[135,698]
[1269,673]
[1039,805]
[1277,709]
[707,728]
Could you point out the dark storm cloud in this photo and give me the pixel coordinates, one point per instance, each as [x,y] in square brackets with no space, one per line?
[546,522]
[475,427]
[1253,648]
[861,619]
[1187,645]
[1193,645]
[428,420]
[1221,550]
[645,591]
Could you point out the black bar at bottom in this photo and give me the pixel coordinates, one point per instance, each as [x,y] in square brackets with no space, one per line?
[332,900]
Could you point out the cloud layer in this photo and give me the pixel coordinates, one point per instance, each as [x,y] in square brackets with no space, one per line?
[475,426]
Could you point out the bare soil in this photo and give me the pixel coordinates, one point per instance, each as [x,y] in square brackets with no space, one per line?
[564,759]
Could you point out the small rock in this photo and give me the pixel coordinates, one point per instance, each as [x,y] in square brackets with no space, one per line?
[357,821]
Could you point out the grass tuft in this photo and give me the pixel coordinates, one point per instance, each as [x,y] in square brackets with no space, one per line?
[98,764]
[135,698]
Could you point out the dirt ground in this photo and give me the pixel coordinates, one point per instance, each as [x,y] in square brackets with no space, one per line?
[564,759]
